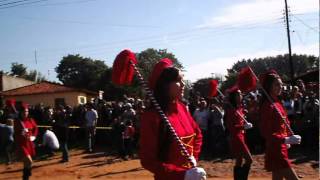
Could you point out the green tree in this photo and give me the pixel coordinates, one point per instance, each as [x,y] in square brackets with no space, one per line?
[18,69]
[280,63]
[81,72]
[34,75]
[149,57]
[21,71]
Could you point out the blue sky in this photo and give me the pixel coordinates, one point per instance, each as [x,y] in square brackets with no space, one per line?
[206,36]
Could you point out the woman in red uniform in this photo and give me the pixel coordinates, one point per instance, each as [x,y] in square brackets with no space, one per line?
[25,130]
[159,153]
[237,126]
[273,129]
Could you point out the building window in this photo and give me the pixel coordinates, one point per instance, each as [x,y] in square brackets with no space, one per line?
[59,101]
[82,99]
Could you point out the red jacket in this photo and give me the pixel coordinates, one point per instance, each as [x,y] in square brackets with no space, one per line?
[274,131]
[175,165]
[235,125]
[25,146]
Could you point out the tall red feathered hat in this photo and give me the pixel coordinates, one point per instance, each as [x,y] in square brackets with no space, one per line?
[246,80]
[157,70]
[122,70]
[213,88]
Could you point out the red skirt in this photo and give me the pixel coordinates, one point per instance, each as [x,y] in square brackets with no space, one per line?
[276,157]
[26,149]
[238,146]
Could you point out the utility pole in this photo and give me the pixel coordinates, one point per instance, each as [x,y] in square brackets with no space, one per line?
[289,43]
[35,58]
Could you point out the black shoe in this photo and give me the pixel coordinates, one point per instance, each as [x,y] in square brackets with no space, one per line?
[64,160]
[26,173]
[245,171]
[237,173]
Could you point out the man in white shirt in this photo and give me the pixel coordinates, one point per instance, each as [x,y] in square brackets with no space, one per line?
[50,142]
[201,116]
[91,118]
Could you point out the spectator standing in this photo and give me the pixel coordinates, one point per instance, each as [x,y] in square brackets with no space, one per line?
[7,140]
[128,136]
[216,129]
[61,129]
[91,118]
[201,116]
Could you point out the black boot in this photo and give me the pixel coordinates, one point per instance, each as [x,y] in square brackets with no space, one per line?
[26,173]
[245,171]
[237,172]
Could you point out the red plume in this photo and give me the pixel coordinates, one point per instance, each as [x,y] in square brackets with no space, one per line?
[213,92]
[10,102]
[122,70]
[246,80]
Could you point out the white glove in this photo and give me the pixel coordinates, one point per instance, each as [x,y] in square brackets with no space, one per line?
[288,146]
[294,139]
[24,131]
[196,173]
[193,160]
[248,126]
[32,138]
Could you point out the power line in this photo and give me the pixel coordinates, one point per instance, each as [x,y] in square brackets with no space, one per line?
[14,2]
[4,0]
[22,4]
[89,23]
[302,22]
[48,4]
[68,3]
[235,27]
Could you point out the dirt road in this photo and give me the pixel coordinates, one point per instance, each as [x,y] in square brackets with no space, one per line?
[100,166]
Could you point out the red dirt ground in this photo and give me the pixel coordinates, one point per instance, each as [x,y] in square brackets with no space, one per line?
[99,166]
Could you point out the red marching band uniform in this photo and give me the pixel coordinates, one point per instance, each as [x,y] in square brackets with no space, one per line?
[24,129]
[175,165]
[274,131]
[235,125]
[154,135]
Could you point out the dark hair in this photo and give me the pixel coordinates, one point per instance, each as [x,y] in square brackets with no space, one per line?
[267,85]
[233,98]
[161,91]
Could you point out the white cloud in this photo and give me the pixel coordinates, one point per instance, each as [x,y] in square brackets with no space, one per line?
[258,11]
[220,65]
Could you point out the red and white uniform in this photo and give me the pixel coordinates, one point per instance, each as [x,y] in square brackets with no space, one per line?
[235,125]
[25,146]
[274,131]
[175,165]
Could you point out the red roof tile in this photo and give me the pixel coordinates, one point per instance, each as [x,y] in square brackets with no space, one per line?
[43,88]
